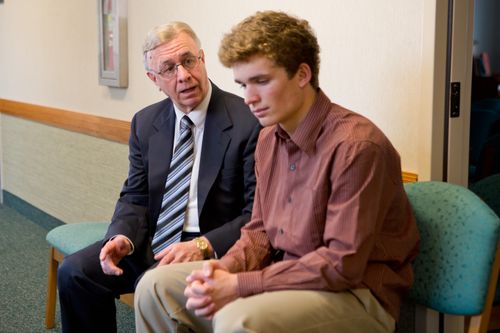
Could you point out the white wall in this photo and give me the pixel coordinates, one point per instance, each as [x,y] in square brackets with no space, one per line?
[372,56]
[77,181]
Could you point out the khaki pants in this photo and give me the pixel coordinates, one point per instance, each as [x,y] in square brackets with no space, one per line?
[160,307]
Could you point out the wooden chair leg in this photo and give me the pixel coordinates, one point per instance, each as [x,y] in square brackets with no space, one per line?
[55,257]
[480,323]
[50,306]
[128,299]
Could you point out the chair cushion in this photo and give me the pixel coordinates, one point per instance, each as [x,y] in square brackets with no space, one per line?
[69,238]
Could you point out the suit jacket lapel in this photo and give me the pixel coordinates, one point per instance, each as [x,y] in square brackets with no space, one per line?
[215,142]
[160,151]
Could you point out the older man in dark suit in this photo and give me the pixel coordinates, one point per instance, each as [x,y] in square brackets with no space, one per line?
[211,201]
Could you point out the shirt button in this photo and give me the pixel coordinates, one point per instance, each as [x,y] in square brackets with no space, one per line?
[289,199]
[281,231]
[292,167]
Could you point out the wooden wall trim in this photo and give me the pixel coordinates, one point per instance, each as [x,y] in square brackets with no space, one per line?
[101,127]
[409,177]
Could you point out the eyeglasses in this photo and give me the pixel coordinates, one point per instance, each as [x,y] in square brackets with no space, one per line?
[170,70]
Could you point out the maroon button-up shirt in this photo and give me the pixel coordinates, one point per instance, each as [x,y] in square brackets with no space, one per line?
[331,198]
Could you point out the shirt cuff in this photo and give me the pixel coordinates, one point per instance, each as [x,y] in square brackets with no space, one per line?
[250,283]
[129,241]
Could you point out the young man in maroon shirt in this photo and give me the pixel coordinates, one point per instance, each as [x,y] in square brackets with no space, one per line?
[332,235]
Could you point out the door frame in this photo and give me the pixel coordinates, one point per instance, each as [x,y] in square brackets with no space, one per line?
[449,55]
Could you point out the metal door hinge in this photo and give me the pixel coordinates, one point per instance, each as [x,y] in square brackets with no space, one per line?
[455,100]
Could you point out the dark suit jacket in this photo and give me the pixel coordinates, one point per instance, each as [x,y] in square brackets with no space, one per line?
[226,182]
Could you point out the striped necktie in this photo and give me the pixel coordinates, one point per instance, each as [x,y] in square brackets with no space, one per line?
[176,194]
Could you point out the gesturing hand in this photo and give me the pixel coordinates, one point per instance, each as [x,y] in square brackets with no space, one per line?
[210,288]
[111,254]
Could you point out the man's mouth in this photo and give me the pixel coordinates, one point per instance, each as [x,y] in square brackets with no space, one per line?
[188,90]
[259,111]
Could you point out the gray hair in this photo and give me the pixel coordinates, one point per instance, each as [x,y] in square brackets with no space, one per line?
[163,34]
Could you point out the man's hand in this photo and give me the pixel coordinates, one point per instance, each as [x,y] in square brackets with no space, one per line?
[180,252]
[210,288]
[111,254]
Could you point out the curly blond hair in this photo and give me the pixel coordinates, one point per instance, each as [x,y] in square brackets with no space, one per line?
[282,38]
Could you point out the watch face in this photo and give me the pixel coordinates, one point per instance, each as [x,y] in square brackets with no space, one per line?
[203,246]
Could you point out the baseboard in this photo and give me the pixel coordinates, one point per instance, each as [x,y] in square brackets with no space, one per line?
[38,216]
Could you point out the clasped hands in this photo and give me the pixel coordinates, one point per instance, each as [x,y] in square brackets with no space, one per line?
[210,288]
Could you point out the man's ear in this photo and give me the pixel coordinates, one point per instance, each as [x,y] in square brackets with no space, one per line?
[304,74]
[202,55]
[151,76]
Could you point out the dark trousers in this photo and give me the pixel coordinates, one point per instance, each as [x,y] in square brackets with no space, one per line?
[87,295]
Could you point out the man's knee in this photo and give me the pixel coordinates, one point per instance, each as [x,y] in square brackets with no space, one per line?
[80,264]
[165,282]
[142,285]
[66,272]
[156,278]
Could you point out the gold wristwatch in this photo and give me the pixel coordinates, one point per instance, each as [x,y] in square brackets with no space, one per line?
[203,247]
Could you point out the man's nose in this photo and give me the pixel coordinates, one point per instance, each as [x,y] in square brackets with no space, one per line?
[250,96]
[182,73]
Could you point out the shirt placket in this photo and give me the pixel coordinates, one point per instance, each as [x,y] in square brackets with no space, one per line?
[293,154]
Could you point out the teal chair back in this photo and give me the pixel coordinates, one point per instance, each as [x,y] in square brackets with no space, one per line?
[459,238]
[488,189]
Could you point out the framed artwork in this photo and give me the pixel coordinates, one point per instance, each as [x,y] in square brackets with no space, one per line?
[113,59]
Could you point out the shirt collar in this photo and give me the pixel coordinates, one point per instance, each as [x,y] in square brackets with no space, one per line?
[306,134]
[199,113]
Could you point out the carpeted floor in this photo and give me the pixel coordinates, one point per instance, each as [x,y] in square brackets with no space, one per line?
[23,277]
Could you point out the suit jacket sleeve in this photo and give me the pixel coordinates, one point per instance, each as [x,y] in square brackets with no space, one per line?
[131,216]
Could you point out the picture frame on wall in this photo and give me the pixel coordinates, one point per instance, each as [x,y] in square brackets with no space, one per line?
[113,51]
